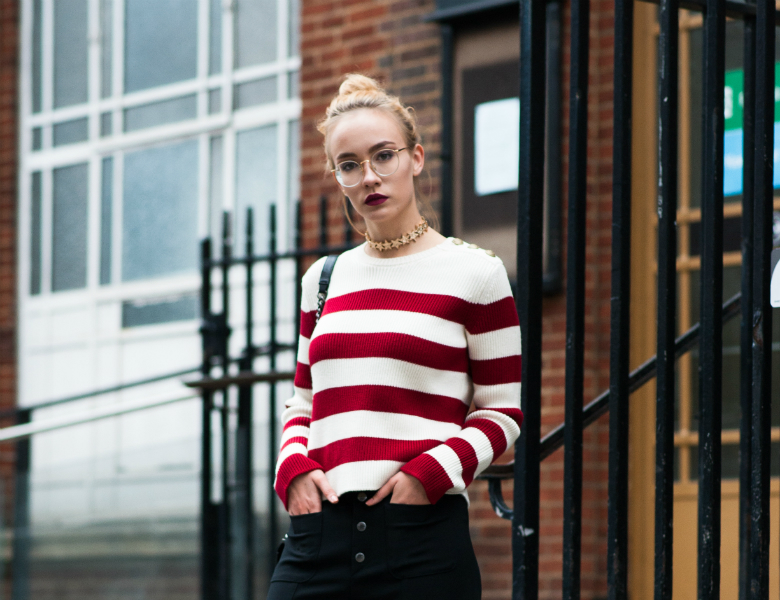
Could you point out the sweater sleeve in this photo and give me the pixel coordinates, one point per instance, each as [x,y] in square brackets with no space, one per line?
[293,457]
[493,338]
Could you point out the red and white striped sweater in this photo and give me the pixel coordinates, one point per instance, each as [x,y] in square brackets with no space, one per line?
[385,380]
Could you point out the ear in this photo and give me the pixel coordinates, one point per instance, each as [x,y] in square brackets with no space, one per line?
[418,159]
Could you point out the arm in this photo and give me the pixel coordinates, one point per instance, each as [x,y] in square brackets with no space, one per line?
[493,338]
[293,456]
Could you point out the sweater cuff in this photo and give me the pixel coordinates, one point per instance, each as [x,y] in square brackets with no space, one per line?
[293,465]
[430,474]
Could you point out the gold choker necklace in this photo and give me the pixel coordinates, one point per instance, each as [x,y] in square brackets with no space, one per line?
[401,241]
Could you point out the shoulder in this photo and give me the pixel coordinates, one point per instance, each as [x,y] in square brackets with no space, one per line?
[479,263]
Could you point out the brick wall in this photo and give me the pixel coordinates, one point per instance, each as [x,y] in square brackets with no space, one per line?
[388,40]
[9,41]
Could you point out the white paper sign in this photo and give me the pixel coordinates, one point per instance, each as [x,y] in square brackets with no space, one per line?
[774,287]
[496,146]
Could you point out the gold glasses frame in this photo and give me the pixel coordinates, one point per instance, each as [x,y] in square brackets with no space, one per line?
[362,170]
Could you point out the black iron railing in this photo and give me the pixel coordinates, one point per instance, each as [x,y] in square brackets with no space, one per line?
[760,20]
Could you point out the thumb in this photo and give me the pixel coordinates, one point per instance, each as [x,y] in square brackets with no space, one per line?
[324,486]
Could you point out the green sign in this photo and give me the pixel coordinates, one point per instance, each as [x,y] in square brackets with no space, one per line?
[734,98]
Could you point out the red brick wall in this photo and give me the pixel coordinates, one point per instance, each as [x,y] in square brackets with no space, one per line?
[388,40]
[9,59]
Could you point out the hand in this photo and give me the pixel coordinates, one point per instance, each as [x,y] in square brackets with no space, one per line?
[305,493]
[405,489]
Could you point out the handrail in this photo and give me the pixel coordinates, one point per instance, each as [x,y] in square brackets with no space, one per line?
[24,430]
[494,474]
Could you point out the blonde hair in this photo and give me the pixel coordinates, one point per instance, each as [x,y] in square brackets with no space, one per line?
[358,91]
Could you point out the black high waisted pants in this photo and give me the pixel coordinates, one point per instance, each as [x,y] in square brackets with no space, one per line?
[351,551]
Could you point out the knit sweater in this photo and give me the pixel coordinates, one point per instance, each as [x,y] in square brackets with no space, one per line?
[385,380]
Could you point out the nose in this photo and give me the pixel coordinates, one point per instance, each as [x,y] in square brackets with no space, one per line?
[369,175]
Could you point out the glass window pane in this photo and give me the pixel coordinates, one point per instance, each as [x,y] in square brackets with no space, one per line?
[255,181]
[70,52]
[69,228]
[106,208]
[37,67]
[37,138]
[293,87]
[294,26]
[160,42]
[294,181]
[215,190]
[159,113]
[106,124]
[215,101]
[251,17]
[215,36]
[35,234]
[159,310]
[106,41]
[253,93]
[70,132]
[159,216]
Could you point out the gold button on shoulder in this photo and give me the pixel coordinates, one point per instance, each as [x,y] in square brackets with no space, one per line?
[490,253]
[457,241]
[473,246]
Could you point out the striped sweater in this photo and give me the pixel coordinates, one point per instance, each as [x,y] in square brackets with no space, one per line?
[385,380]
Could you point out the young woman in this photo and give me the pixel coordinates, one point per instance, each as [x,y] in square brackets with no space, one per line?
[379,444]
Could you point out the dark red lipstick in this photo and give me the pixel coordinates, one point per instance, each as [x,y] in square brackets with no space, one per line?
[374,199]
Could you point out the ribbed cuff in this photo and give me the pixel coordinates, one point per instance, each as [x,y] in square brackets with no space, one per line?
[431,475]
[293,465]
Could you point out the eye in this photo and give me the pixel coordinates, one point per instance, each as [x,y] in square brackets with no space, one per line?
[346,167]
[383,156]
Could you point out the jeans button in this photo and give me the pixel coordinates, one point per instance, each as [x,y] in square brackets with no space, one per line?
[360,557]
[361,526]
[362,496]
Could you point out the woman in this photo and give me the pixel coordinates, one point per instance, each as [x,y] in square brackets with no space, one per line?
[379,444]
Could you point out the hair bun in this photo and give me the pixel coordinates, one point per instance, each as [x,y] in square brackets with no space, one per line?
[354,82]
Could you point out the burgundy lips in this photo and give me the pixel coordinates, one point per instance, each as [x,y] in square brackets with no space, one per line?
[374,199]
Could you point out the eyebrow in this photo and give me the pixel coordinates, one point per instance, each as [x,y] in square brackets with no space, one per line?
[370,150]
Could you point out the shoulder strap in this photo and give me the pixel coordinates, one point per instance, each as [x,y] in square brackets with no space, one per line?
[327,271]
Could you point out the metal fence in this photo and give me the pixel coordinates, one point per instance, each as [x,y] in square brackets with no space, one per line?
[760,22]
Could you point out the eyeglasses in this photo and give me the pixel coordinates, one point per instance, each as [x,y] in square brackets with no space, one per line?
[384,163]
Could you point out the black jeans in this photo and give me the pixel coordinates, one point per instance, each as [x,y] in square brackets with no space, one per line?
[351,551]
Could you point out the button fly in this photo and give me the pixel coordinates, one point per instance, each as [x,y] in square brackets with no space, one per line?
[362,496]
[361,526]
[360,557]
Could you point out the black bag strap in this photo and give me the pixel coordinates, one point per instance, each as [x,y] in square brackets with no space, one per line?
[322,295]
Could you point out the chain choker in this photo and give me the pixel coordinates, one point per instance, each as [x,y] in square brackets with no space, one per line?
[401,241]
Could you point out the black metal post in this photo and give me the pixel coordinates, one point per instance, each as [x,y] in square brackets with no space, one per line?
[711,341]
[667,293]
[226,537]
[575,298]
[244,505]
[323,220]
[20,589]
[298,271]
[762,311]
[617,543]
[272,506]
[746,328]
[525,521]
[209,521]
[445,184]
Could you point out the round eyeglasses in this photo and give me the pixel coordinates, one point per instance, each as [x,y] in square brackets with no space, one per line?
[384,163]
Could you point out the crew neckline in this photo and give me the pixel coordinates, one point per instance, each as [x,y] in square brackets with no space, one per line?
[359,253]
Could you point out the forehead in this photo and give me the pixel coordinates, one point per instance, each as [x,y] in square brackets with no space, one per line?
[358,130]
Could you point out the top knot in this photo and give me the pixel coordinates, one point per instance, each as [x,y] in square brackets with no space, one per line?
[354,83]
